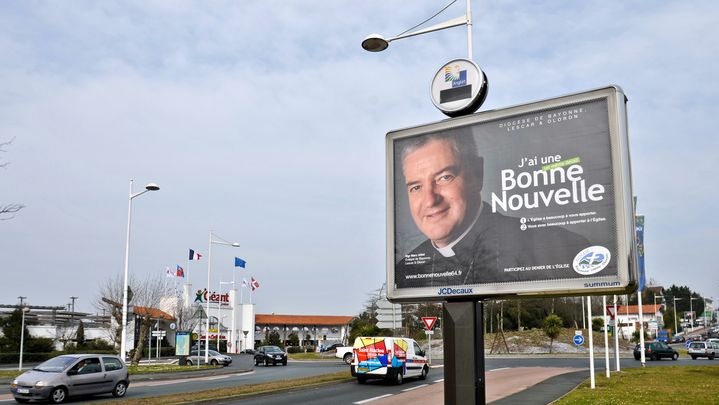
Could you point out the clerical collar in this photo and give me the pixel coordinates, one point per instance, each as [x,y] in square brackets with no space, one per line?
[447,251]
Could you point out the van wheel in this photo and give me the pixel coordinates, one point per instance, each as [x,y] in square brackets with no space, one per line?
[347,358]
[425,371]
[120,390]
[188,362]
[398,377]
[711,357]
[214,363]
[58,395]
[361,379]
[694,357]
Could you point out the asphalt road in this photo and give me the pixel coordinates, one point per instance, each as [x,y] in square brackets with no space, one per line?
[343,393]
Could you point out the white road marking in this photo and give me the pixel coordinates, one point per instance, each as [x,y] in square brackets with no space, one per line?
[414,388]
[440,380]
[183,380]
[437,366]
[502,368]
[364,401]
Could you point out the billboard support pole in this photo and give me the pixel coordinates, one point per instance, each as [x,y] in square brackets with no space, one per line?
[463,330]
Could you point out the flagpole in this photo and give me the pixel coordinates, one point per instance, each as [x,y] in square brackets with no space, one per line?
[233,349]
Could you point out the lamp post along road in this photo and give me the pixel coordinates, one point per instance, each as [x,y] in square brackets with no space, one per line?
[209,272]
[676,328]
[691,312]
[377,43]
[232,338]
[22,336]
[123,340]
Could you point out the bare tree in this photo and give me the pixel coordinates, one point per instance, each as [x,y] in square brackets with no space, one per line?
[110,299]
[147,299]
[184,315]
[7,211]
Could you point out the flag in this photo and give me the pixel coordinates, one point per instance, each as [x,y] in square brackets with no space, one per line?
[168,272]
[239,262]
[180,271]
[194,255]
[244,283]
[255,284]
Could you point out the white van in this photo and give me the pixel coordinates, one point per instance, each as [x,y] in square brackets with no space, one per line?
[389,358]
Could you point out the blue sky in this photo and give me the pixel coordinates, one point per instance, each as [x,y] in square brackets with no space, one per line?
[264,121]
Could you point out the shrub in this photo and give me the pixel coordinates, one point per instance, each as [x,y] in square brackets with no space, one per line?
[295,349]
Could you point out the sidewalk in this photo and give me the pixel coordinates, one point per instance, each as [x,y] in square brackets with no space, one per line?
[512,386]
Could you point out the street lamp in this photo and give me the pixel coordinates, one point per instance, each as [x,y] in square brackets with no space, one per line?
[691,310]
[377,43]
[22,336]
[123,340]
[209,271]
[676,330]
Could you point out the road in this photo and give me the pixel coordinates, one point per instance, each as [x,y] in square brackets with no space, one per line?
[343,393]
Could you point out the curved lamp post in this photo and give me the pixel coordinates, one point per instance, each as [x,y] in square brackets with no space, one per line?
[149,187]
[209,271]
[377,43]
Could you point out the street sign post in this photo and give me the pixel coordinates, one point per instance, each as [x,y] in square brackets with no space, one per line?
[429,322]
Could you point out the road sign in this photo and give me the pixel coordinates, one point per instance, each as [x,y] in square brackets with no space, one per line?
[578,332]
[429,321]
[578,340]
[173,325]
[159,333]
[610,312]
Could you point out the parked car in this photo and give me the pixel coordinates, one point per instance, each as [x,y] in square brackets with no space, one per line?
[70,375]
[215,358]
[655,351]
[703,349]
[270,355]
[678,339]
[331,347]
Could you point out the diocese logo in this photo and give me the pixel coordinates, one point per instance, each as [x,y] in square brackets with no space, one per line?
[591,260]
[455,76]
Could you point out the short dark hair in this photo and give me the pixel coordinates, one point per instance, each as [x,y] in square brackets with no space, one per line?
[463,145]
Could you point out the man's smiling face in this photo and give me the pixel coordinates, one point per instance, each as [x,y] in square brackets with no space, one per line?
[438,190]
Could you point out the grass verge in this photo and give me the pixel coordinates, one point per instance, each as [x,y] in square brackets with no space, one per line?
[253,389]
[651,385]
[311,356]
[134,370]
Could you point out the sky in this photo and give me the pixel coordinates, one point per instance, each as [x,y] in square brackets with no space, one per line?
[264,122]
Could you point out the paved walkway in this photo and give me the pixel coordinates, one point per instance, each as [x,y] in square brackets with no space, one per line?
[509,386]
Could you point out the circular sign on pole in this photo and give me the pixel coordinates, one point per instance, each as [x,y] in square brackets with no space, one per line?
[173,326]
[459,87]
[578,340]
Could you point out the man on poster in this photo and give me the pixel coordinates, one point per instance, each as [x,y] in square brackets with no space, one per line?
[466,242]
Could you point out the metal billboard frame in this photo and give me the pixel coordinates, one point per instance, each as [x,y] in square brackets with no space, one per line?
[625,281]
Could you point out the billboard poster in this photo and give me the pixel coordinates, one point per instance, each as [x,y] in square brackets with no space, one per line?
[527,200]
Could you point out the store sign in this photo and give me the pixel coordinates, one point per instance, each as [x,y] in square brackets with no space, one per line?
[203,295]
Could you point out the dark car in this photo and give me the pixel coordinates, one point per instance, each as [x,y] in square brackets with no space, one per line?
[678,339]
[656,351]
[331,347]
[270,355]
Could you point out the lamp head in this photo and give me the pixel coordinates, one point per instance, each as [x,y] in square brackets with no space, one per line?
[235,244]
[374,43]
[152,187]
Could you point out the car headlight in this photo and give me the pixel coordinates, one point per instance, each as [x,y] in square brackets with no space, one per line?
[40,384]
[14,384]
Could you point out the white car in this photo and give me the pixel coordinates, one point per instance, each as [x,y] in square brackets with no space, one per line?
[703,349]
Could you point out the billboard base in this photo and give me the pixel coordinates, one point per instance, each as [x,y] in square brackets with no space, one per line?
[463,329]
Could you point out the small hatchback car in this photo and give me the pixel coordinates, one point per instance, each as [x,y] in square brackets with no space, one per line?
[703,349]
[655,351]
[70,375]
[270,355]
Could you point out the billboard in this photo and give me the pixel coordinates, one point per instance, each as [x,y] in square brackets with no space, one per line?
[528,200]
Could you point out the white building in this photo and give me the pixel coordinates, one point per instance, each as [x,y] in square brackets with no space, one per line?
[627,319]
